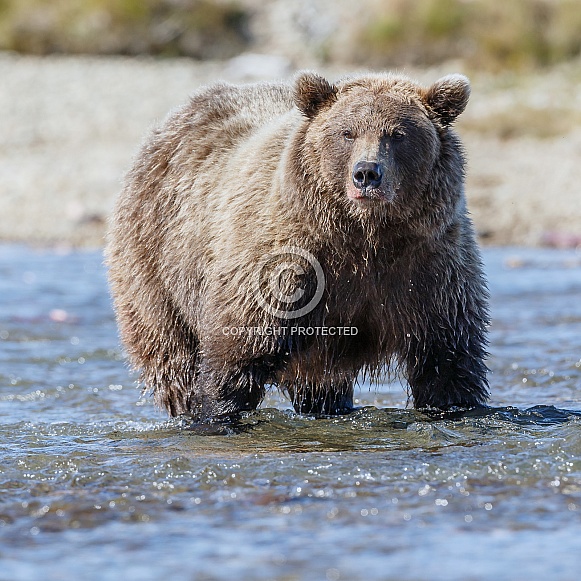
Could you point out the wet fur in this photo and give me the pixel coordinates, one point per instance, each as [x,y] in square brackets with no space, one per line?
[242,171]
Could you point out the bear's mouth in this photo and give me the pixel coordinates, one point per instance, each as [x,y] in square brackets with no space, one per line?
[370,195]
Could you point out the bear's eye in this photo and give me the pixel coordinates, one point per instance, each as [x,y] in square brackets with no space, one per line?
[348,135]
[397,135]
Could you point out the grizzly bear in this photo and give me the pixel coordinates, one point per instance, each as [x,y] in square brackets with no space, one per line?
[303,236]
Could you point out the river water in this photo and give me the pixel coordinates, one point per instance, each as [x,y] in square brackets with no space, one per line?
[97,484]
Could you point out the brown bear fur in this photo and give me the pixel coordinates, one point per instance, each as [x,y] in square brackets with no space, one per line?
[244,172]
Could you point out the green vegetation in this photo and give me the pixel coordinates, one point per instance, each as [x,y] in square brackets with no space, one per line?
[485,34]
[489,34]
[198,28]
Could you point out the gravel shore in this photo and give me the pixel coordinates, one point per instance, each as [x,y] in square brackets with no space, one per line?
[70,126]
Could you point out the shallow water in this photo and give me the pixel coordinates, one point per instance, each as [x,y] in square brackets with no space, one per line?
[96,484]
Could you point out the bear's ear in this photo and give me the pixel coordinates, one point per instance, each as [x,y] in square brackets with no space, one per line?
[448,97]
[313,93]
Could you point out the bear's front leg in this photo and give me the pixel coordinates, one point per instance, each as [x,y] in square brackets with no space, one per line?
[321,399]
[222,394]
[446,369]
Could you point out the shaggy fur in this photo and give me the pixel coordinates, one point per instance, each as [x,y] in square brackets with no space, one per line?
[244,171]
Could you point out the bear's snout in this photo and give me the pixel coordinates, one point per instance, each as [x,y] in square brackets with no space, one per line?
[367,174]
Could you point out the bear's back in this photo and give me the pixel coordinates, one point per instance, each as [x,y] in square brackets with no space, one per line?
[236,110]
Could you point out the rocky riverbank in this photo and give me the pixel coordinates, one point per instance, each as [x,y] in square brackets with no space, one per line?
[70,126]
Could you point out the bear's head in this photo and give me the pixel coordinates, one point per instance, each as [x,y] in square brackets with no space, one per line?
[380,145]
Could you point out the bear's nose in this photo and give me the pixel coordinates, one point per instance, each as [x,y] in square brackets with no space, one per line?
[366,173]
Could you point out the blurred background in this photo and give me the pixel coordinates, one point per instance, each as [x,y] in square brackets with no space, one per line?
[81,82]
